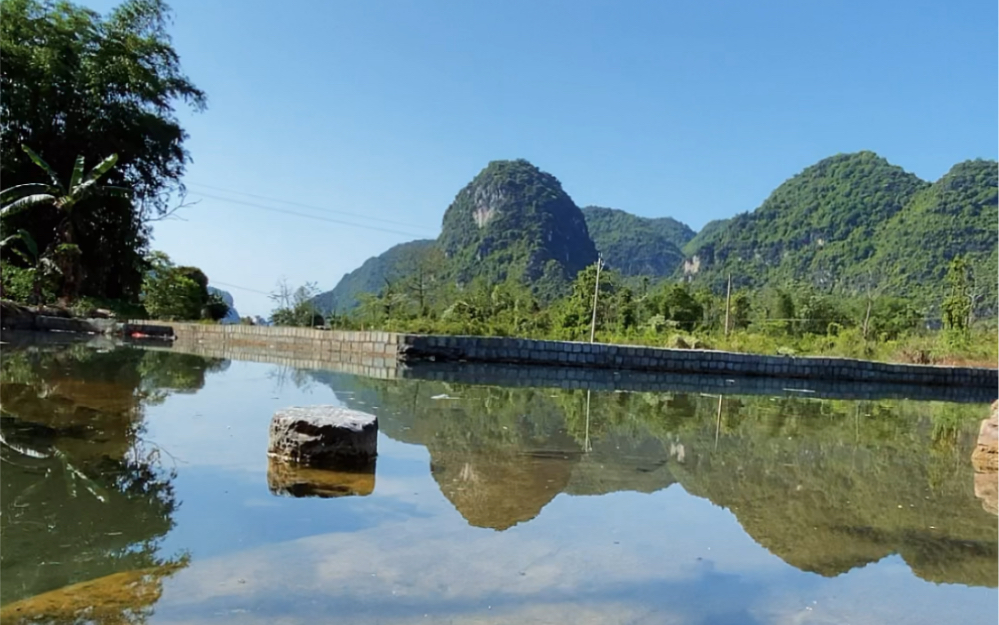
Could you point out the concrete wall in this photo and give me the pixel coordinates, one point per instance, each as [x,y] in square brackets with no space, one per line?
[372,354]
[510,375]
[381,350]
[635,358]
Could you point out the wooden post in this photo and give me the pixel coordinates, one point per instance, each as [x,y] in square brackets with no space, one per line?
[867,316]
[596,290]
[728,303]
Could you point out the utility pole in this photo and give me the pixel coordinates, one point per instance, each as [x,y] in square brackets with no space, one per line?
[728,303]
[596,290]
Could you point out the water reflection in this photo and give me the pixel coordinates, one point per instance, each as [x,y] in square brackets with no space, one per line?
[85,500]
[293,480]
[828,486]
[583,497]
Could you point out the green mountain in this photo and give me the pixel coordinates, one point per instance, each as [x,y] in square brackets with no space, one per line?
[637,246]
[849,223]
[816,227]
[370,277]
[956,215]
[706,233]
[515,221]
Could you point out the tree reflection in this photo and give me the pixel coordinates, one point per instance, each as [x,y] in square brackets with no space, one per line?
[85,501]
[828,486]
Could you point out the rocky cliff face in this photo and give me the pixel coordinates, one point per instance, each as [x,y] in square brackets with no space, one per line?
[515,220]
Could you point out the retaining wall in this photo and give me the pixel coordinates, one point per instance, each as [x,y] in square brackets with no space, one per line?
[381,351]
[371,354]
[685,361]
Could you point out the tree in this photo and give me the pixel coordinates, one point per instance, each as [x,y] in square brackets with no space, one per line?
[170,292]
[295,307]
[957,305]
[681,307]
[75,82]
[63,197]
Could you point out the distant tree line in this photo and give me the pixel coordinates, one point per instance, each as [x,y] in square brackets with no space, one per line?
[786,319]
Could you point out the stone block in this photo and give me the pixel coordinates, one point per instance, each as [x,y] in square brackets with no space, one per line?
[323,436]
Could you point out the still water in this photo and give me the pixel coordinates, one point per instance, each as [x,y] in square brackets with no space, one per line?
[136,489]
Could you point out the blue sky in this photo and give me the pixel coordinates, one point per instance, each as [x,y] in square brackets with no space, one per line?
[377,112]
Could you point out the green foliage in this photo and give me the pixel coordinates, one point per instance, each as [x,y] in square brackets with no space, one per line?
[854,224]
[75,82]
[370,277]
[514,221]
[955,216]
[704,235]
[215,308]
[171,292]
[637,246]
[956,306]
[812,227]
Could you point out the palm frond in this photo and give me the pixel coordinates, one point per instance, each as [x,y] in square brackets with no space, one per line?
[38,160]
[25,203]
[29,242]
[77,173]
[102,168]
[15,193]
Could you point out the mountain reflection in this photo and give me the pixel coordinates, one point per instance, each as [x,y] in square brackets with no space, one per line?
[828,486]
[85,501]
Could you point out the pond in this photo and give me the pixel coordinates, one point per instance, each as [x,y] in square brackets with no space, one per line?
[136,489]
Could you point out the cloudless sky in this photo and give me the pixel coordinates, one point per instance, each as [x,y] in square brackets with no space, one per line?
[377,112]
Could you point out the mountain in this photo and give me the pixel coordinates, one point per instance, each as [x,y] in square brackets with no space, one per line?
[815,227]
[956,215]
[514,220]
[370,277]
[637,246]
[706,233]
[849,223]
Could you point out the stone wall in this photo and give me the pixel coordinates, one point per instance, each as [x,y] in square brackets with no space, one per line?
[685,361]
[378,353]
[371,354]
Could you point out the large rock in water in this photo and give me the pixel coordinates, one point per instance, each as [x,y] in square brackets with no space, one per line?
[325,436]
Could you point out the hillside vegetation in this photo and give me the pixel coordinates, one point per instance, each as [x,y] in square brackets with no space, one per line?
[637,246]
[370,277]
[814,228]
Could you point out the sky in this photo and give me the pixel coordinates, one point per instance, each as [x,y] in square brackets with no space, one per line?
[337,129]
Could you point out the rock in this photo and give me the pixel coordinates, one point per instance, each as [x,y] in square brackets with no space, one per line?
[295,480]
[986,454]
[16,317]
[328,436]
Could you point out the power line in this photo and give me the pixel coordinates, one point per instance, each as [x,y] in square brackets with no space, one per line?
[309,206]
[236,286]
[315,217]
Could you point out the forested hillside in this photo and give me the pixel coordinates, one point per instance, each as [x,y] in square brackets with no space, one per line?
[637,246]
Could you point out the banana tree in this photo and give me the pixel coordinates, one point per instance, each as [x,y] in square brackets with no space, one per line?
[63,197]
